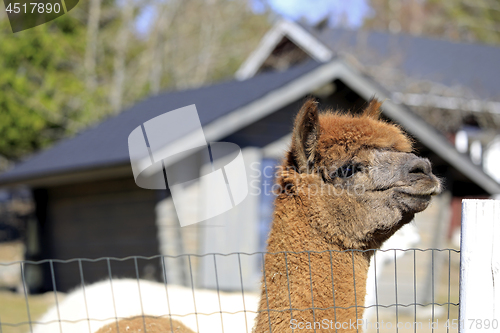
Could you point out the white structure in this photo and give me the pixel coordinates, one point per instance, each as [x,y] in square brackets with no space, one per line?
[491,159]
[480,266]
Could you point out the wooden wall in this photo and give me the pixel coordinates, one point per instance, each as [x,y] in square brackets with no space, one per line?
[107,218]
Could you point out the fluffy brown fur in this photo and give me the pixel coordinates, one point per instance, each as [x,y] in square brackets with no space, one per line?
[152,324]
[347,184]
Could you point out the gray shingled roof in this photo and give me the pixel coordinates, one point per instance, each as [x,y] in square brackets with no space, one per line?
[106,144]
[474,66]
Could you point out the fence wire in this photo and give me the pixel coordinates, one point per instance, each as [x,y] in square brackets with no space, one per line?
[77,312]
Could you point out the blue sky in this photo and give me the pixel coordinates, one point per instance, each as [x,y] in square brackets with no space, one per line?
[347,12]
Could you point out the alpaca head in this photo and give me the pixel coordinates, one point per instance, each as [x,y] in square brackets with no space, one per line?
[358,174]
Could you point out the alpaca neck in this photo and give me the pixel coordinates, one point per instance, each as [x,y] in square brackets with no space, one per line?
[302,278]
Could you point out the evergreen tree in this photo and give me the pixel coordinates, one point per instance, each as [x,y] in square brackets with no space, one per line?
[60,77]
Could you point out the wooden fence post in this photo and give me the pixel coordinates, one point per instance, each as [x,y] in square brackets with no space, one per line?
[480,266]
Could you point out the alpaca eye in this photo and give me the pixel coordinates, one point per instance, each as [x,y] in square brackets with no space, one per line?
[347,171]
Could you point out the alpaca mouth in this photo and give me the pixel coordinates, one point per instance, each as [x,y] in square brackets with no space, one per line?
[412,191]
[422,189]
[422,194]
[416,198]
[425,194]
[415,201]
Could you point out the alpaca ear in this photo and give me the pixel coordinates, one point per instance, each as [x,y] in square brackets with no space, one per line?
[305,135]
[373,109]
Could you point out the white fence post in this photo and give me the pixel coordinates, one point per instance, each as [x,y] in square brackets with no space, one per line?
[480,266]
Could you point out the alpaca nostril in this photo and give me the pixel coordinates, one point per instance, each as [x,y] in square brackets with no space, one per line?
[417,170]
[420,166]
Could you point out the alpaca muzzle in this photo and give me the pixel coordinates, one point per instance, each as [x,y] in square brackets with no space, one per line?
[423,181]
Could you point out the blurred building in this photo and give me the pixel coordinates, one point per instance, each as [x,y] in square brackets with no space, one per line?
[88,206]
[453,86]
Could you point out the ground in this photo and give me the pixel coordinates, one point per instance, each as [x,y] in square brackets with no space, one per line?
[13,310]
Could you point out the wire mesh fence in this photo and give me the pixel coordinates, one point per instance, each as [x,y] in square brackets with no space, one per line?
[411,290]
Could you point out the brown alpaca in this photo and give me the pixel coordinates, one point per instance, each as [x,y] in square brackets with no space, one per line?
[152,324]
[347,184]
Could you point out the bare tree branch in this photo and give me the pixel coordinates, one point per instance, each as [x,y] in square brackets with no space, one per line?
[121,48]
[91,49]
